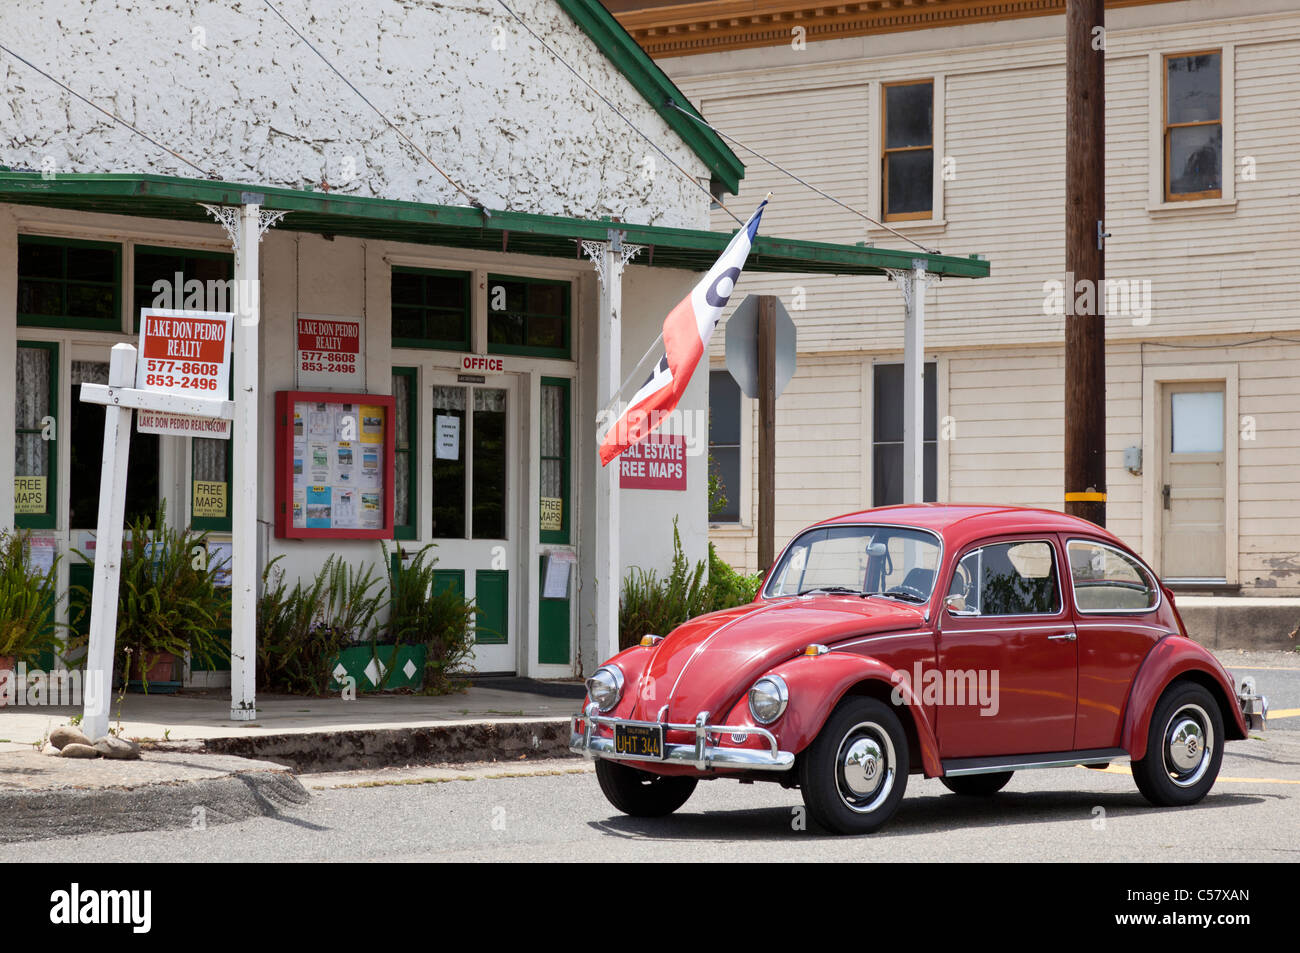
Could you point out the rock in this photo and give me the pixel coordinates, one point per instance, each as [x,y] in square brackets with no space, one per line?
[48,748]
[66,735]
[75,750]
[123,749]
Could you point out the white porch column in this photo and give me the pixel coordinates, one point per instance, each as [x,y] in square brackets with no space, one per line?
[243,524]
[245,226]
[913,283]
[608,259]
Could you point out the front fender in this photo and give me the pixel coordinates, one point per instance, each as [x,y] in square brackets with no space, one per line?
[818,683]
[1170,658]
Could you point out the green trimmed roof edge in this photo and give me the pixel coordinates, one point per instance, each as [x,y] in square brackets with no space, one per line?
[653,84]
[176,198]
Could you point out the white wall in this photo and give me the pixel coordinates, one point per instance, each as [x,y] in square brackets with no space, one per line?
[229,87]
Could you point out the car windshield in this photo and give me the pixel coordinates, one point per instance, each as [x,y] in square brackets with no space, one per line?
[890,561]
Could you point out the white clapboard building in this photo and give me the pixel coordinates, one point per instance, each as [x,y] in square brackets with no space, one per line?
[945,120]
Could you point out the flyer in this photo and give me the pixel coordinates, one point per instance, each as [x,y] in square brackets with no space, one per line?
[372,424]
[345,509]
[371,510]
[318,507]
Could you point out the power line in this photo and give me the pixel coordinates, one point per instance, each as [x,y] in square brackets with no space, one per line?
[808,185]
[113,116]
[407,139]
[601,96]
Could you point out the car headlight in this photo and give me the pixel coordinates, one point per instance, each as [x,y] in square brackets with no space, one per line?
[768,698]
[605,687]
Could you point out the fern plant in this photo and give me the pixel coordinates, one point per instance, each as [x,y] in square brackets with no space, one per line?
[419,613]
[168,599]
[28,598]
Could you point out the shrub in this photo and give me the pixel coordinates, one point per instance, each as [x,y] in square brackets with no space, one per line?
[421,614]
[300,631]
[652,605]
[27,601]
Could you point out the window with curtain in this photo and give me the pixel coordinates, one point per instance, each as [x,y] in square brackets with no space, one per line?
[1193,126]
[35,466]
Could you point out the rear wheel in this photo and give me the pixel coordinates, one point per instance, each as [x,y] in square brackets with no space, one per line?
[978,785]
[1184,747]
[854,773]
[640,793]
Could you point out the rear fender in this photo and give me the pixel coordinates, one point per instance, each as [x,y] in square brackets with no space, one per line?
[818,683]
[1176,657]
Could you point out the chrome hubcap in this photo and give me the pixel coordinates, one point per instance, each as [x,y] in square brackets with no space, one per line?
[865,767]
[1189,745]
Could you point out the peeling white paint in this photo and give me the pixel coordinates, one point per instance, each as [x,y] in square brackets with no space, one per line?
[230,87]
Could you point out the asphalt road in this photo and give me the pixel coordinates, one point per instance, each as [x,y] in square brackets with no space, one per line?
[554,811]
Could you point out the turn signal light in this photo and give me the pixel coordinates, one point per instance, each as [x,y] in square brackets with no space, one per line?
[816,649]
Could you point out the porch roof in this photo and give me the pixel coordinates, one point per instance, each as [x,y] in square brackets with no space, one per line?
[525,233]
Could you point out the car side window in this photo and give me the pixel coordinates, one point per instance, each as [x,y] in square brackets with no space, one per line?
[1017,578]
[1107,580]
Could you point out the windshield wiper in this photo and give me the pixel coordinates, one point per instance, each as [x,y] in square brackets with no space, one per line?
[908,597]
[854,592]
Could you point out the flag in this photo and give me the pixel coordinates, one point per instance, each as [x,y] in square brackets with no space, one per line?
[687,330]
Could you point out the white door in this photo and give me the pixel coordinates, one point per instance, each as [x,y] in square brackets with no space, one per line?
[1193,493]
[474,505]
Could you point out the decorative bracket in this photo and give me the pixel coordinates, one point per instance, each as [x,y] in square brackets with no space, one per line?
[227,217]
[596,252]
[905,278]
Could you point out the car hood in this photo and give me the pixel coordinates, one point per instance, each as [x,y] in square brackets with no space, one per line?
[708,663]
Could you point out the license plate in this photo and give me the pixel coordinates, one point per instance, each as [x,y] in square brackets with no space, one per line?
[641,741]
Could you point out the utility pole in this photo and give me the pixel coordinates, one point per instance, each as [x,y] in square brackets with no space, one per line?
[1085,261]
[766,431]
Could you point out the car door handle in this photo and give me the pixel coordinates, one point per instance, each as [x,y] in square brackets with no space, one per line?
[1063,637]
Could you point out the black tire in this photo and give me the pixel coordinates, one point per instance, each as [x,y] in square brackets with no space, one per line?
[640,793]
[866,734]
[1184,747]
[978,785]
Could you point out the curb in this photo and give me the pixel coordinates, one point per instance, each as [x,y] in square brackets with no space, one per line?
[452,743]
[255,790]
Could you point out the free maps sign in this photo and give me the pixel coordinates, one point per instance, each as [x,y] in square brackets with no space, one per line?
[187,354]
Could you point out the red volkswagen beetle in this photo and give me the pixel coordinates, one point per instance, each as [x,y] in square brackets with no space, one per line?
[963,643]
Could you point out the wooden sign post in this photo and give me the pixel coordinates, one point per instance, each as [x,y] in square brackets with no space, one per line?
[120,398]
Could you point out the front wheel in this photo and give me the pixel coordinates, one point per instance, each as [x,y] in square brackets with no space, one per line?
[640,793]
[977,785]
[1184,747]
[854,773]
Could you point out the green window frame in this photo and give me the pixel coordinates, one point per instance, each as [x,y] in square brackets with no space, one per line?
[414,301]
[33,285]
[406,451]
[48,519]
[524,309]
[564,457]
[187,263]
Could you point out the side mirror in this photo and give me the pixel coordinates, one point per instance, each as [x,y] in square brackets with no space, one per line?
[957,606]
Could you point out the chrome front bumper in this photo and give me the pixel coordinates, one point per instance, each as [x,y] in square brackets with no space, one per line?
[700,755]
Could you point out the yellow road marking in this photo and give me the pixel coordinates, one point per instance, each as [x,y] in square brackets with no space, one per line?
[1283,713]
[1123,769]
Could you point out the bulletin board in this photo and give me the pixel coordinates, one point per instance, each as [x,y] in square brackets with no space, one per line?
[334,457]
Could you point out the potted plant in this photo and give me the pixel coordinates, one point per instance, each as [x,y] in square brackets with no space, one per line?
[28,597]
[169,605]
[435,624]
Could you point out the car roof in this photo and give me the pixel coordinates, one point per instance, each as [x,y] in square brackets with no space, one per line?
[962,523]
